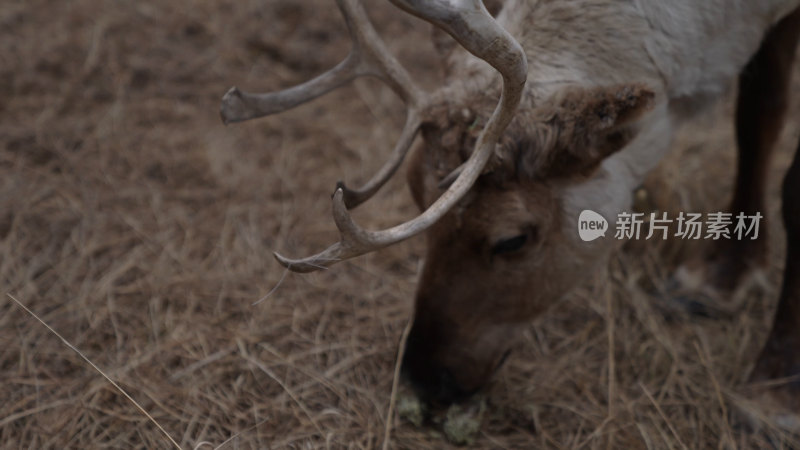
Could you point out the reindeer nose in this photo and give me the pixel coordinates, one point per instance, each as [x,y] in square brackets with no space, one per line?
[432,382]
[436,386]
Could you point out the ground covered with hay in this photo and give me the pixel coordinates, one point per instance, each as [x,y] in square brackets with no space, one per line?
[141,229]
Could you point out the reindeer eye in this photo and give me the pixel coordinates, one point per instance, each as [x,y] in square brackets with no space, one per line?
[509,245]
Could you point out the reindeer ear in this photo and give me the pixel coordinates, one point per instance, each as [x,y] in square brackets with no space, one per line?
[574,131]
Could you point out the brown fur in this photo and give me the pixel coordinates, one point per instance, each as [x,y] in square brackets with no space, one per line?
[575,131]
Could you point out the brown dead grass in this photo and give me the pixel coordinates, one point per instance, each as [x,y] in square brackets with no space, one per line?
[141,229]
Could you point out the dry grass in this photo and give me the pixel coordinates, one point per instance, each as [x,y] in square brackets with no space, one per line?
[141,229]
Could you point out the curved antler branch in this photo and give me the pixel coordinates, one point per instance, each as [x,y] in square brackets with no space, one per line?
[354,197]
[472,26]
[238,105]
[368,57]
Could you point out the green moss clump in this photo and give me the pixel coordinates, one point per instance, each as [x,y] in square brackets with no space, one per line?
[463,422]
[410,408]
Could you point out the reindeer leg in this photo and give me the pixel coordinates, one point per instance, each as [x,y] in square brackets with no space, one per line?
[764,87]
[702,286]
[780,357]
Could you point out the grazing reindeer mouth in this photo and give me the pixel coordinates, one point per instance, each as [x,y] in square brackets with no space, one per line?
[439,389]
[442,389]
[436,383]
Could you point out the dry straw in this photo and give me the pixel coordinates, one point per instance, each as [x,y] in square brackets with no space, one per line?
[142,229]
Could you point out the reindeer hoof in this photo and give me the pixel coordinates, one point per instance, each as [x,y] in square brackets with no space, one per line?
[686,292]
[768,407]
[702,290]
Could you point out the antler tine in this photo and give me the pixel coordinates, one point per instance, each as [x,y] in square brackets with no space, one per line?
[475,29]
[355,197]
[368,57]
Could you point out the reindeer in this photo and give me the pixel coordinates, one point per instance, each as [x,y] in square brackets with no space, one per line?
[590,92]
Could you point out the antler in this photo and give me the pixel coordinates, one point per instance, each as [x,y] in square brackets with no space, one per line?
[475,29]
[368,57]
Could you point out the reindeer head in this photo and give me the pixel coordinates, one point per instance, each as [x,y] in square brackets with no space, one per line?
[509,249]
[492,191]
